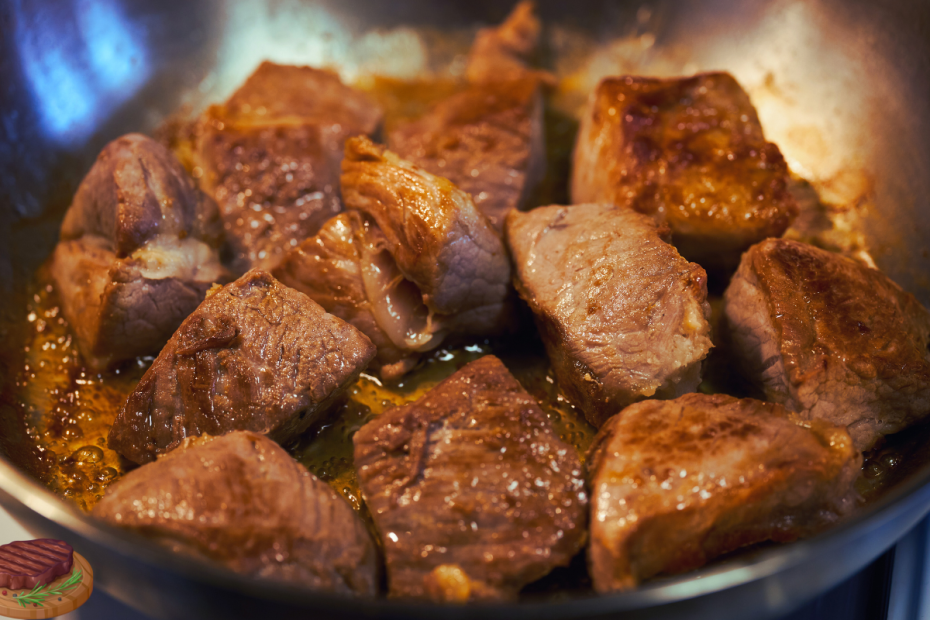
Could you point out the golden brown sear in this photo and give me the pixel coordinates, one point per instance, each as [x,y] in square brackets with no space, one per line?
[831,338]
[676,483]
[689,152]
[271,156]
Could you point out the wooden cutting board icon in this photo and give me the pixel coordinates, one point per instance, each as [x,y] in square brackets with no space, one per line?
[66,593]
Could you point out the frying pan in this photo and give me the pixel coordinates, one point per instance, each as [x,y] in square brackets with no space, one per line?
[842,87]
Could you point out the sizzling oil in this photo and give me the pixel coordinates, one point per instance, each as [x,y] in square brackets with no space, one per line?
[68,409]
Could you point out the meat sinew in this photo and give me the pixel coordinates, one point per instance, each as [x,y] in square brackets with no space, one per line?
[255,355]
[689,152]
[437,237]
[348,269]
[831,338]
[242,501]
[137,252]
[270,156]
[676,483]
[622,314]
[471,489]
[410,262]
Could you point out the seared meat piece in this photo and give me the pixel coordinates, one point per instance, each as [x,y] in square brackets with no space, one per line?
[137,252]
[506,51]
[439,240]
[271,157]
[286,93]
[687,151]
[488,140]
[831,338]
[676,483]
[412,260]
[471,489]
[255,356]
[622,315]
[348,269]
[242,501]
[276,184]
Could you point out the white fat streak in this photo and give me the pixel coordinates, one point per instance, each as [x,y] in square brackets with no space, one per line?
[189,260]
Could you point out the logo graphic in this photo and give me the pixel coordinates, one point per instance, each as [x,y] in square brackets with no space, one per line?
[42,578]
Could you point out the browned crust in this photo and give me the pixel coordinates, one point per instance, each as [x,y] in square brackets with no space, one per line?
[651,144]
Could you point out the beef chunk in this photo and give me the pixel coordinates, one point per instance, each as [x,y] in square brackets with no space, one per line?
[256,356]
[242,501]
[137,252]
[488,140]
[676,483]
[347,268]
[472,491]
[437,237]
[831,338]
[271,157]
[622,315]
[689,152]
[411,262]
[506,51]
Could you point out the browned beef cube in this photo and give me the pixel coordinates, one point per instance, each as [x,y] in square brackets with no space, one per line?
[242,501]
[437,237]
[831,338]
[411,262]
[488,140]
[622,314]
[255,355]
[472,491]
[348,269]
[689,152]
[137,252]
[271,157]
[676,483]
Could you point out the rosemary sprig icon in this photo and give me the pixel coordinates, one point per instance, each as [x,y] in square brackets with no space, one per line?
[39,594]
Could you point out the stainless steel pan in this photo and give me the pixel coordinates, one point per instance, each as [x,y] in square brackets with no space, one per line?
[843,87]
